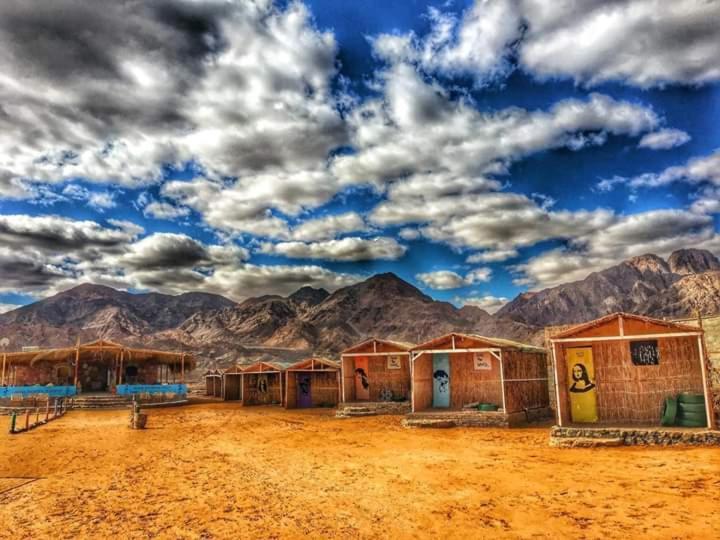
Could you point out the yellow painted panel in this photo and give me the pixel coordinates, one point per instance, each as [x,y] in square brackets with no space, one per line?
[582,391]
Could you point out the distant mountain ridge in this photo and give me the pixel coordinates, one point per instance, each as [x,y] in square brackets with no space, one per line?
[218,329]
[314,320]
[689,281]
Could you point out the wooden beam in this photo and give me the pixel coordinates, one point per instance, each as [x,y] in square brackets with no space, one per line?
[182,368]
[625,338]
[77,361]
[558,405]
[3,368]
[502,382]
[703,366]
[621,325]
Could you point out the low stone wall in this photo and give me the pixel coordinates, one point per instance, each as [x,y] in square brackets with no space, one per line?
[475,418]
[374,408]
[584,437]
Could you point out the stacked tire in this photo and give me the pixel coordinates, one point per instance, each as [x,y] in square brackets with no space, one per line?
[691,410]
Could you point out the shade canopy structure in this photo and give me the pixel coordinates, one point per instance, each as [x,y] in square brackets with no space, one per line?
[101,362]
[455,370]
[621,368]
[376,370]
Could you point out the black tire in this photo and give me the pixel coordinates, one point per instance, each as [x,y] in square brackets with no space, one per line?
[684,408]
[686,422]
[691,397]
[669,414]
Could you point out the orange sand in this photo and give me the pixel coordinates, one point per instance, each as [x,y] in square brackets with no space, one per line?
[220,471]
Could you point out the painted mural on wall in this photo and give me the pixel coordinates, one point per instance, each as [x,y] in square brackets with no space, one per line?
[582,389]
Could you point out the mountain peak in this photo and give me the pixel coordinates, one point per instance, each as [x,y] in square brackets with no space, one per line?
[693,261]
[389,283]
[309,295]
[649,263]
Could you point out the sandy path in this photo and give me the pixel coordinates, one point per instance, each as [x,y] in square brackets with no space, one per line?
[219,471]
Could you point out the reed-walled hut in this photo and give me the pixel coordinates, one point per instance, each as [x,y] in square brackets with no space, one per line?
[232,383]
[262,383]
[95,367]
[461,372]
[213,383]
[313,382]
[625,369]
[376,370]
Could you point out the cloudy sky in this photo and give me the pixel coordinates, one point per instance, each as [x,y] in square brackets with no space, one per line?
[249,147]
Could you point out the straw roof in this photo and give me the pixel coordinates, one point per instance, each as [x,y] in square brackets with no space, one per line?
[100,347]
[264,366]
[670,326]
[400,346]
[314,363]
[500,343]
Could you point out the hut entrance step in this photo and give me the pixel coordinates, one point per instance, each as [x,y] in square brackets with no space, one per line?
[101,401]
[428,423]
[586,442]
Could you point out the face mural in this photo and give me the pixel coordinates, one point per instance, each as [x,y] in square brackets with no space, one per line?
[443,379]
[360,372]
[262,385]
[581,379]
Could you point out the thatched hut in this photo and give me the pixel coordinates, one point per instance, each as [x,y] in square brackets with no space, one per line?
[313,382]
[376,370]
[232,383]
[461,371]
[621,369]
[262,383]
[213,383]
[98,366]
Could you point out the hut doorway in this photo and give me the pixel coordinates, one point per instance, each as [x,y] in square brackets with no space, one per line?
[581,376]
[441,380]
[362,384]
[94,377]
[304,390]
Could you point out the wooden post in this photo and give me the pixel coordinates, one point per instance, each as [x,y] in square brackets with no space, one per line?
[556,367]
[47,410]
[338,385]
[182,368]
[27,418]
[502,382]
[3,369]
[77,361]
[703,366]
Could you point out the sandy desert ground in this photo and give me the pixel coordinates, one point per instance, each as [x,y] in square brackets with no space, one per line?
[220,471]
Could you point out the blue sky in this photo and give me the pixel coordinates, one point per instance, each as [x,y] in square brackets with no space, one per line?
[476,149]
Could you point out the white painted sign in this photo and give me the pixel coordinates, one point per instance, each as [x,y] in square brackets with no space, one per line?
[483,360]
[393,362]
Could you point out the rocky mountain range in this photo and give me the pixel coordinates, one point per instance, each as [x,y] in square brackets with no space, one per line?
[222,332]
[686,283]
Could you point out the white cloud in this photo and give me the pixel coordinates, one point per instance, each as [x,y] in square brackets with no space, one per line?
[345,249]
[4,308]
[241,88]
[641,42]
[477,45]
[697,170]
[447,279]
[659,232]
[98,200]
[489,303]
[664,139]
[329,227]
[417,133]
[164,210]
[497,255]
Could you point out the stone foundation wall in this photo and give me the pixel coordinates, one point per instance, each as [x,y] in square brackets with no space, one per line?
[373,408]
[632,437]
